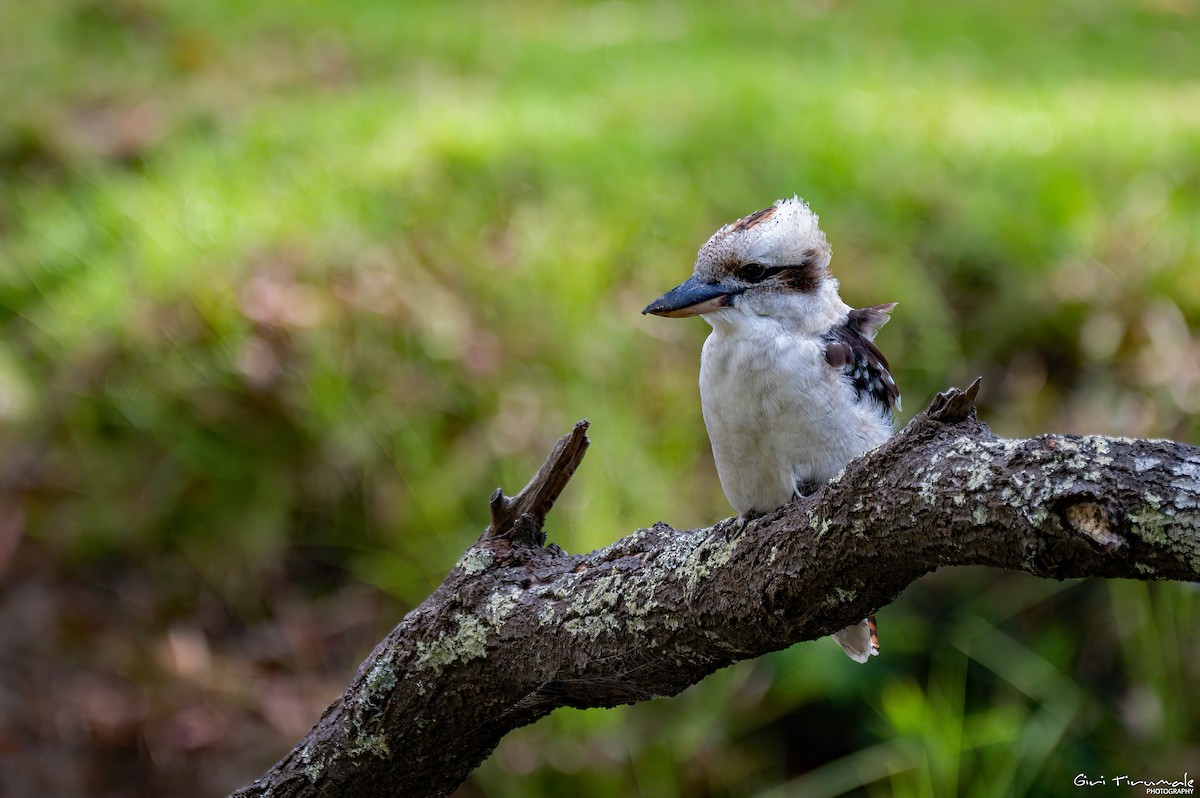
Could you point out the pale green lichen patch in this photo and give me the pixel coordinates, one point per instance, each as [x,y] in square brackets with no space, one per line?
[1080,453]
[594,612]
[980,474]
[639,597]
[499,605]
[1187,480]
[374,692]
[467,643]
[373,744]
[605,592]
[1185,524]
[929,488]
[1099,445]
[699,567]
[591,625]
[676,552]
[965,445]
[1143,464]
[475,561]
[980,468]
[380,682]
[980,515]
[312,768]
[1150,526]
[615,601]
[839,597]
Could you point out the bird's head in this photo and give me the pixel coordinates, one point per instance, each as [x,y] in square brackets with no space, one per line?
[772,263]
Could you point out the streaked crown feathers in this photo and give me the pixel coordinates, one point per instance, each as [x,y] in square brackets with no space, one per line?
[787,233]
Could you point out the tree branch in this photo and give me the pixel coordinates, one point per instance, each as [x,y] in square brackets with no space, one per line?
[517,630]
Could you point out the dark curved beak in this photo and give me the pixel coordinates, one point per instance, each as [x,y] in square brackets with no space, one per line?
[693,298]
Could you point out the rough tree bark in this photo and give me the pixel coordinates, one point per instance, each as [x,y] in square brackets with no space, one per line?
[519,629]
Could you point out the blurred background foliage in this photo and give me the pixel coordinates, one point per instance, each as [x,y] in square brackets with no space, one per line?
[287,289]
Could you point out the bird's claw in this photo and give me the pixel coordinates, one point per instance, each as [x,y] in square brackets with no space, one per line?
[738,525]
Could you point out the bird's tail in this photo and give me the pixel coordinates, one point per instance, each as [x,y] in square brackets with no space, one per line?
[860,641]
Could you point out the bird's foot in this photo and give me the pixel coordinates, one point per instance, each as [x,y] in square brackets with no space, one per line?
[738,525]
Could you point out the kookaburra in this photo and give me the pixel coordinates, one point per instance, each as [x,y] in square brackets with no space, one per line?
[792,385]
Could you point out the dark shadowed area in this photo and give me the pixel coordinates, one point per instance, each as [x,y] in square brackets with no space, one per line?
[287,290]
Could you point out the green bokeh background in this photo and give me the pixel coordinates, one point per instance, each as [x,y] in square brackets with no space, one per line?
[287,289]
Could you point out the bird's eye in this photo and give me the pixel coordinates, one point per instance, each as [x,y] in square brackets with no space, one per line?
[753,272]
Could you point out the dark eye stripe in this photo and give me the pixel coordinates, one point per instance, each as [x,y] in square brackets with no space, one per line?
[757,272]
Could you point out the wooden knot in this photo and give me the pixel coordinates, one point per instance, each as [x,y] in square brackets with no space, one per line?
[1094,521]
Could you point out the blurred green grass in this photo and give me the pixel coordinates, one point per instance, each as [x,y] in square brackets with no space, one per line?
[310,280]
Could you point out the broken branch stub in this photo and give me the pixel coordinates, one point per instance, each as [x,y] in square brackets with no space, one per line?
[954,405]
[520,518]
